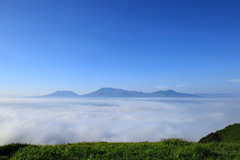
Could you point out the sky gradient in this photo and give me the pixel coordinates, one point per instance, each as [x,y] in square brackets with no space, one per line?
[189,46]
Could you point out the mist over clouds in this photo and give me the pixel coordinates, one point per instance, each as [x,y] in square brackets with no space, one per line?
[55,121]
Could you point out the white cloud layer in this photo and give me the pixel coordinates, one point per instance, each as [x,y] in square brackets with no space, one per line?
[56,121]
[234,80]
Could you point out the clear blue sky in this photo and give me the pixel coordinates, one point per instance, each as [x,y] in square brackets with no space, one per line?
[82,45]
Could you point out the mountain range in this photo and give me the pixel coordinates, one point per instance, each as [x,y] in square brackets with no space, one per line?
[118,93]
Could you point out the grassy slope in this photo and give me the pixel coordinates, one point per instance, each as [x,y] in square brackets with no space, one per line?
[230,134]
[9,150]
[167,149]
[172,149]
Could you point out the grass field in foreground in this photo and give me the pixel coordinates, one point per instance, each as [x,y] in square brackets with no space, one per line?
[171,149]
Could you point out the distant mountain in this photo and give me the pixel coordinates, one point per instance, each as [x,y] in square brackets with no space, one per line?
[112,92]
[230,134]
[170,93]
[62,94]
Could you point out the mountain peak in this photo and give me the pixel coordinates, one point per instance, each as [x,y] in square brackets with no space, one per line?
[107,88]
[110,89]
[170,90]
[67,94]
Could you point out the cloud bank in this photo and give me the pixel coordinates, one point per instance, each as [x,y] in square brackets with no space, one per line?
[57,121]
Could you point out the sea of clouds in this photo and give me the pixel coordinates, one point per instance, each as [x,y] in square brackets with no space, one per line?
[57,121]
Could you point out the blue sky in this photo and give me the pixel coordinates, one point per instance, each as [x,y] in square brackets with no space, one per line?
[145,45]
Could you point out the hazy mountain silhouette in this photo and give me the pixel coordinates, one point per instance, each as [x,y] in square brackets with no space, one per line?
[63,94]
[170,93]
[112,92]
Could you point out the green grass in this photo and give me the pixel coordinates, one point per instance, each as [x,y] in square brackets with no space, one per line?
[230,134]
[7,151]
[172,149]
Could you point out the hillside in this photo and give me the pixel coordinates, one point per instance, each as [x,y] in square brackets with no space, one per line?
[230,134]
